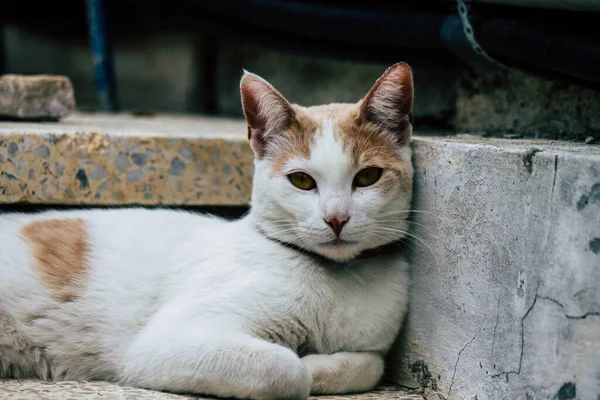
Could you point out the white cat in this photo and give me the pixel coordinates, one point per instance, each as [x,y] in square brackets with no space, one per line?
[303,295]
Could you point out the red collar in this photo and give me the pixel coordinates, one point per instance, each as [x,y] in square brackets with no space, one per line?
[398,246]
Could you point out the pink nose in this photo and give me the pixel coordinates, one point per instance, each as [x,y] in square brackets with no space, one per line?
[336,224]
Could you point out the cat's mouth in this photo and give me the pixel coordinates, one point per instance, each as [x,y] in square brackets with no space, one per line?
[339,242]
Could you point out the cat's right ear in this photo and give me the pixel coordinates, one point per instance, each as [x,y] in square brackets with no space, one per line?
[389,103]
[267,112]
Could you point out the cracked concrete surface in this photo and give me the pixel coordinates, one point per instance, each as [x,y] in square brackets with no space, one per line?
[456,364]
[506,284]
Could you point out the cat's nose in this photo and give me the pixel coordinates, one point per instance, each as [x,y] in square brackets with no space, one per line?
[336,223]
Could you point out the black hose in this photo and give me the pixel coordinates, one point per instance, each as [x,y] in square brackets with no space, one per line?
[525,44]
[568,53]
[413,30]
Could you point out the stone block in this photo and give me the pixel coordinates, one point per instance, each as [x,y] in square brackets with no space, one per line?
[35,97]
[505,299]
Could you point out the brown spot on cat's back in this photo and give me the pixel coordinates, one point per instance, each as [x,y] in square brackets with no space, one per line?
[61,250]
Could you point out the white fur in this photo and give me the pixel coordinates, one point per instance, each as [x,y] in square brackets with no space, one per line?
[181,302]
[189,303]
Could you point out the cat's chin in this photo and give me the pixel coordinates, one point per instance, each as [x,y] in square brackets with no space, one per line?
[339,250]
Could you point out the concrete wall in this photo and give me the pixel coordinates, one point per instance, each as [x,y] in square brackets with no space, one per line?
[506,271]
[156,73]
[497,103]
[167,72]
[164,73]
[310,80]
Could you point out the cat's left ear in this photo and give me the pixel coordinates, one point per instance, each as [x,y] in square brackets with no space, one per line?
[389,102]
[267,112]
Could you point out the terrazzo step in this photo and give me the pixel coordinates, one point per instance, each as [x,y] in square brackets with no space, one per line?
[111,160]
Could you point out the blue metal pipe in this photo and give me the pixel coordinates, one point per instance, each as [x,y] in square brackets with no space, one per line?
[104,76]
[2,49]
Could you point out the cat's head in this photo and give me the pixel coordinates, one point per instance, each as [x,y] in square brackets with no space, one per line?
[334,179]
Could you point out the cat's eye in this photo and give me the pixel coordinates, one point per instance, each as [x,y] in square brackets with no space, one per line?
[367,177]
[302,181]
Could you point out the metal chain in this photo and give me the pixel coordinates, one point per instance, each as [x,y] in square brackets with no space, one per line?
[463,12]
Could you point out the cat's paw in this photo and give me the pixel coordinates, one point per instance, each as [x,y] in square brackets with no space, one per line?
[285,378]
[341,373]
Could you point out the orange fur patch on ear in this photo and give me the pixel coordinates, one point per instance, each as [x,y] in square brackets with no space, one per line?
[61,250]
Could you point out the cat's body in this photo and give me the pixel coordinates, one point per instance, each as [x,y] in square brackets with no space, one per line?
[173,301]
[190,276]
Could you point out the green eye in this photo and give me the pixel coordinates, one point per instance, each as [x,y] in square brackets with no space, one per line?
[367,177]
[302,181]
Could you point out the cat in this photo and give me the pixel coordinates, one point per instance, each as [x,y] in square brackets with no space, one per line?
[304,295]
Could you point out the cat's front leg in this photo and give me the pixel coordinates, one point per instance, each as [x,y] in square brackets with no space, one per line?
[221,362]
[343,372]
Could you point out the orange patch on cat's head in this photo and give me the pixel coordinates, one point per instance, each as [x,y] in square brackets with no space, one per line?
[371,130]
[296,141]
[366,143]
[61,250]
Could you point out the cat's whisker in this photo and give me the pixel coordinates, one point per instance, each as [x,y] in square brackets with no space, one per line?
[289,226]
[427,229]
[400,212]
[386,238]
[379,236]
[285,232]
[414,250]
[280,226]
[396,230]
[408,221]
[399,246]
[410,235]
[284,221]
[246,213]
[305,245]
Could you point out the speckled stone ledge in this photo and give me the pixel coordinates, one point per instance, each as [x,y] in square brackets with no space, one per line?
[29,390]
[123,160]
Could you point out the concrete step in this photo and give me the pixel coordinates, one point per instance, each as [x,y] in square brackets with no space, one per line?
[506,261]
[33,390]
